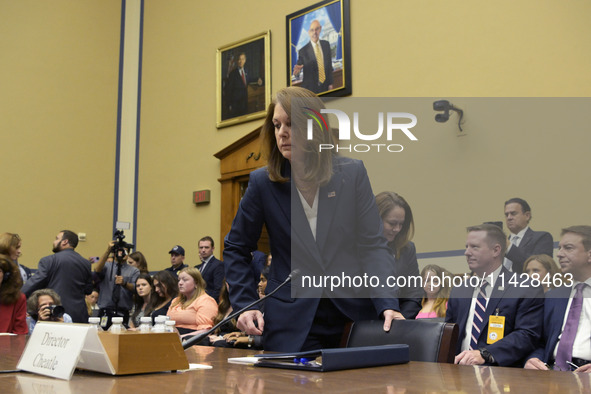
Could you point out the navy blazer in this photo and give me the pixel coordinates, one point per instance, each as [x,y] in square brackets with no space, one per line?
[349,237]
[307,57]
[555,305]
[237,92]
[522,308]
[214,277]
[533,242]
[70,276]
[410,297]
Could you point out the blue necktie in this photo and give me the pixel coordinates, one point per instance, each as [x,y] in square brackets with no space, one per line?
[479,314]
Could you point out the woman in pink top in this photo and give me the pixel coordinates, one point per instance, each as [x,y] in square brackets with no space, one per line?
[436,287]
[193,310]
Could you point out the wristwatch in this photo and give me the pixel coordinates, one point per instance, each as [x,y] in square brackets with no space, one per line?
[485,354]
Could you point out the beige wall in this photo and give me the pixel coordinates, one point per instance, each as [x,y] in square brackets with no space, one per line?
[62,96]
[58,117]
[400,49]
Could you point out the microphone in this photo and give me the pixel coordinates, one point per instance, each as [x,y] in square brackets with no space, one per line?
[198,338]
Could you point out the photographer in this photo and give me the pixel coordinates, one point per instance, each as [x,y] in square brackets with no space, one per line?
[117,282]
[45,305]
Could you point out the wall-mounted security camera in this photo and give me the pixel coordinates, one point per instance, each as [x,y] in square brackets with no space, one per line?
[445,106]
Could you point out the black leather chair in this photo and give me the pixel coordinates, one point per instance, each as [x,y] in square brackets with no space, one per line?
[428,340]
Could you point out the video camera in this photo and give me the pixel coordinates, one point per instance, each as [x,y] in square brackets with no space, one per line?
[120,247]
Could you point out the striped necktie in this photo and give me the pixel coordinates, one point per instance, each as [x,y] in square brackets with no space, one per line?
[479,314]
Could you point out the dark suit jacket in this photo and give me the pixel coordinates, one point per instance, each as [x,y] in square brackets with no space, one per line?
[213,275]
[555,305]
[237,92]
[349,237]
[69,275]
[409,297]
[307,57]
[533,242]
[522,308]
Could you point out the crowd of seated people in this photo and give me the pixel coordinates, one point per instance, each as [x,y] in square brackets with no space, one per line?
[532,326]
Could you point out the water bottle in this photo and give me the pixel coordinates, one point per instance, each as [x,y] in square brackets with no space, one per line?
[159,326]
[95,323]
[117,325]
[145,324]
[169,326]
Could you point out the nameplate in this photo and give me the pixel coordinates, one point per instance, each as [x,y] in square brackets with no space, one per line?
[53,349]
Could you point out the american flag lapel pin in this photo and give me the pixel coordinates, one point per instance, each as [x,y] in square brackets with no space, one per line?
[331,194]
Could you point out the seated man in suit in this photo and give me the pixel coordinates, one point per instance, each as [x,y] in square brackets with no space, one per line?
[567,309]
[523,241]
[211,269]
[500,321]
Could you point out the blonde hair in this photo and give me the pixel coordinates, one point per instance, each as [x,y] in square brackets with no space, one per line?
[199,287]
[8,241]
[440,305]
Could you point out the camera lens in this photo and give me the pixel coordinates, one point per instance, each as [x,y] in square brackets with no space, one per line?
[57,311]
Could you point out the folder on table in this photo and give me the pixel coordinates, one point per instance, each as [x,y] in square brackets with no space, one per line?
[325,360]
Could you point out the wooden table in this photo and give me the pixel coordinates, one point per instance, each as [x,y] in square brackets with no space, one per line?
[231,378]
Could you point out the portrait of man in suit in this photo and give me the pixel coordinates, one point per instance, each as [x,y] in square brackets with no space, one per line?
[243,71]
[319,48]
[237,86]
[315,60]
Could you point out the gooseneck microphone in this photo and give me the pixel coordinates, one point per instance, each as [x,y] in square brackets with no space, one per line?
[198,338]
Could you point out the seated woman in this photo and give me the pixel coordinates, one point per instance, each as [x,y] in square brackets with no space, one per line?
[166,288]
[13,303]
[143,300]
[230,336]
[224,310]
[137,260]
[434,303]
[193,310]
[399,229]
[543,268]
[45,305]
[91,303]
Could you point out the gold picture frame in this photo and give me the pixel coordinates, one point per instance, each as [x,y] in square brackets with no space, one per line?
[243,83]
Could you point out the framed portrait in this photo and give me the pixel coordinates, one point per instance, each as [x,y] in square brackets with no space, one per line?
[243,80]
[319,48]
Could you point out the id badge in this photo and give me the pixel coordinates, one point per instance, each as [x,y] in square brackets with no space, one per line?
[496,329]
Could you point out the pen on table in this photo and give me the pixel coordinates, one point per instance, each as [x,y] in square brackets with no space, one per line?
[572,365]
[547,366]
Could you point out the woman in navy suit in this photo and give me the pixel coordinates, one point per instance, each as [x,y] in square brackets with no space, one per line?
[327,225]
[399,229]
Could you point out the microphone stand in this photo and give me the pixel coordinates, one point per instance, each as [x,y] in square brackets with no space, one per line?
[198,338]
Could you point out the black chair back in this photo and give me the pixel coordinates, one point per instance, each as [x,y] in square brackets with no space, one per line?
[428,340]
